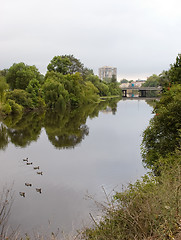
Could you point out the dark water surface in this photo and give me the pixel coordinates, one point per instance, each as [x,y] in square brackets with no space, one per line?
[78,153]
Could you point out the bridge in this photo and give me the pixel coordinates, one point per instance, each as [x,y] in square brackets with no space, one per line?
[142,90]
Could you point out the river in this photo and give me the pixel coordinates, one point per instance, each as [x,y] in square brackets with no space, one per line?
[78,155]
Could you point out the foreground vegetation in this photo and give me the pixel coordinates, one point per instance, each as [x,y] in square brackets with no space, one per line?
[66,85]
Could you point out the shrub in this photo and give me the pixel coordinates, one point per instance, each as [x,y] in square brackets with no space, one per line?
[148,209]
[6,108]
[15,108]
[21,97]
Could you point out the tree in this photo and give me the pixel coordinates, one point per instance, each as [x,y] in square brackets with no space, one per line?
[100,85]
[3,72]
[55,94]
[87,72]
[3,87]
[21,97]
[68,64]
[164,80]
[113,79]
[162,136]
[35,93]
[124,81]
[92,78]
[174,73]
[59,64]
[19,75]
[75,66]
[152,81]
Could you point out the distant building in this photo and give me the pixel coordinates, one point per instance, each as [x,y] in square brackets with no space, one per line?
[108,73]
[132,84]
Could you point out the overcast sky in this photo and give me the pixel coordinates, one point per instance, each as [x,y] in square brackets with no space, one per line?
[139,37]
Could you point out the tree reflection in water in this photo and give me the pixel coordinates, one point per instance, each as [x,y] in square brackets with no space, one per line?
[65,129]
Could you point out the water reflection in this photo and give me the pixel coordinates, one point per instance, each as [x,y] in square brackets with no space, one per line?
[21,130]
[62,172]
[65,129]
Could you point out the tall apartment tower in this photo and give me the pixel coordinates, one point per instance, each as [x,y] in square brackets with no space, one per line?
[107,73]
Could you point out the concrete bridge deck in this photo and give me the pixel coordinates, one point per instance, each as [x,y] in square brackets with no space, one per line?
[142,90]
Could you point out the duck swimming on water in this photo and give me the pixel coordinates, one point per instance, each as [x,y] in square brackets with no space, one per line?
[36,167]
[25,159]
[38,190]
[28,184]
[29,163]
[22,194]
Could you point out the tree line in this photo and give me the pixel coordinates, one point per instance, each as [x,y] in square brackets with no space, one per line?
[66,84]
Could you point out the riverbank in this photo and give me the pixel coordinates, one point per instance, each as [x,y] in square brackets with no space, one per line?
[149,209]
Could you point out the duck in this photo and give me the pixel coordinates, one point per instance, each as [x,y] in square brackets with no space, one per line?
[41,173]
[22,194]
[29,163]
[25,159]
[38,190]
[36,167]
[28,184]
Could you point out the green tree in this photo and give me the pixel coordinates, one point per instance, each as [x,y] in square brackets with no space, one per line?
[68,64]
[35,91]
[124,81]
[3,87]
[93,78]
[59,64]
[113,79]
[15,107]
[114,89]
[152,81]
[175,71]
[164,80]
[91,93]
[75,65]
[19,75]
[162,136]
[21,97]
[55,94]
[86,72]
[3,72]
[100,85]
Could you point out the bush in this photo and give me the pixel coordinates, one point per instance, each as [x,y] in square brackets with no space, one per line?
[6,108]
[148,209]
[162,136]
[21,97]
[15,108]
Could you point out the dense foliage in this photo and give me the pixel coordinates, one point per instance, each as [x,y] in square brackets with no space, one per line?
[67,84]
[162,136]
[152,81]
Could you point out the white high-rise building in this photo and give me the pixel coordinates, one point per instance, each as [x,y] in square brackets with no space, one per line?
[107,73]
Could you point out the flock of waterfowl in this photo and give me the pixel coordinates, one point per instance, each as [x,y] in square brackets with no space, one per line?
[39,190]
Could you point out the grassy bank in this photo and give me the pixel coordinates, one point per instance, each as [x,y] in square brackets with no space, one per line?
[149,209]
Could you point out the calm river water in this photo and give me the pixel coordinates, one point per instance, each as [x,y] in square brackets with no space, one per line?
[78,154]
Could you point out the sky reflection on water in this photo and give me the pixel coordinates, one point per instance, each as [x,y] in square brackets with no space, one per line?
[108,156]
